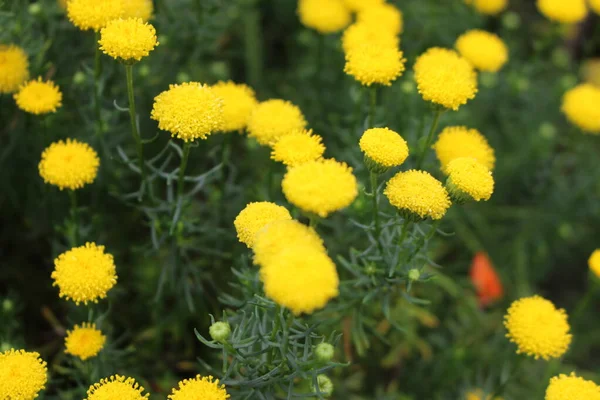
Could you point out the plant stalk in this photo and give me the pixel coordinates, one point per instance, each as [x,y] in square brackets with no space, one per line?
[97,74]
[134,128]
[375,196]
[74,219]
[184,161]
[372,105]
[436,119]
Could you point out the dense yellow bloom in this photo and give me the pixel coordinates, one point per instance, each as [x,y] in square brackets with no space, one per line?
[488,7]
[417,194]
[566,12]
[256,216]
[594,262]
[239,101]
[374,63]
[580,105]
[538,328]
[273,119]
[84,341]
[591,69]
[189,111]
[444,77]
[37,97]
[301,277]
[572,387]
[467,176]
[93,14]
[69,165]
[460,141]
[485,50]
[320,187]
[385,16]
[128,39]
[199,388]
[116,387]
[478,395]
[298,148]
[384,146]
[358,5]
[84,273]
[325,16]
[357,35]
[595,6]
[23,375]
[138,9]
[14,68]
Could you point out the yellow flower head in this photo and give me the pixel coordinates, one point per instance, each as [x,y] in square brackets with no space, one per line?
[324,16]
[189,111]
[538,328]
[358,5]
[572,387]
[460,141]
[357,35]
[84,274]
[273,119]
[300,277]
[298,148]
[23,374]
[138,9]
[469,179]
[374,63]
[384,147]
[445,78]
[239,101]
[116,387]
[84,341]
[594,262]
[201,387]
[595,6]
[128,39]
[489,7]
[477,394]
[93,14]
[14,68]
[384,16]
[417,194]
[37,97]
[485,50]
[256,216]
[320,187]
[566,12]
[580,105]
[69,165]
[276,236]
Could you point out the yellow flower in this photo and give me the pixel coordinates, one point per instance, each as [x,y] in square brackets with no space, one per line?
[138,9]
[14,68]
[384,16]
[572,387]
[488,7]
[468,179]
[93,14]
[239,101]
[273,119]
[128,39]
[417,195]
[37,97]
[478,395]
[591,69]
[485,50]
[595,6]
[444,77]
[384,147]
[325,16]
[189,111]
[460,141]
[580,105]
[538,328]
[358,5]
[69,165]
[357,35]
[566,12]
[84,341]
[256,216]
[320,187]
[84,274]
[298,148]
[374,63]
[201,387]
[301,277]
[23,375]
[116,387]
[594,262]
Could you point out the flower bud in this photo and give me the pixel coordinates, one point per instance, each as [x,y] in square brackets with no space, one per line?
[78,78]
[414,274]
[220,331]
[325,385]
[34,9]
[7,305]
[324,352]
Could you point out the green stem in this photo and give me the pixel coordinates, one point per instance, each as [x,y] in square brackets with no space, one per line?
[585,300]
[184,160]
[436,118]
[372,105]
[499,390]
[375,197]
[551,369]
[403,232]
[276,328]
[313,221]
[134,129]
[424,239]
[253,45]
[74,219]
[97,74]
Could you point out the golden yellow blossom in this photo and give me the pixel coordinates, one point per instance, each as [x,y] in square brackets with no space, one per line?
[93,14]
[485,50]
[384,147]
[594,262]
[273,119]
[357,35]
[374,63]
[460,141]
[138,9]
[14,68]
[116,387]
[385,16]
[199,388]
[580,105]
[69,165]
[23,375]
[128,39]
[84,341]
[566,12]
[327,16]
[239,101]
[572,387]
[298,148]
[256,216]
[38,97]
[488,7]
[469,179]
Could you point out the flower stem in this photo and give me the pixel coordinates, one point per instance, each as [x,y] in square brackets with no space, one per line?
[276,328]
[74,219]
[253,44]
[585,300]
[184,160]
[97,74]
[375,196]
[436,119]
[403,231]
[372,105]
[313,221]
[134,128]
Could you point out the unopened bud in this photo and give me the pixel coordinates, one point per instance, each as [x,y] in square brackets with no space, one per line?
[220,331]
[325,385]
[7,305]
[324,352]
[414,274]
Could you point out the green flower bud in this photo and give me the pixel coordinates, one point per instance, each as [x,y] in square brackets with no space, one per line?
[325,385]
[561,57]
[78,78]
[511,20]
[7,305]
[144,70]
[408,87]
[488,79]
[414,274]
[220,331]
[182,77]
[324,352]
[34,9]
[5,346]
[548,130]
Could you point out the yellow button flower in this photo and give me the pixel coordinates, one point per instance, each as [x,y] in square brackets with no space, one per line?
[116,387]
[93,14]
[201,387]
[580,105]
[128,39]
[374,63]
[468,179]
[256,216]
[138,9]
[239,101]
[357,35]
[566,12]
[298,148]
[460,141]
[273,119]
[478,395]
[358,5]
[384,147]
[488,7]
[594,262]
[595,6]
[84,341]
[69,165]
[485,50]
[14,68]
[324,16]
[572,387]
[386,17]
[38,97]
[23,374]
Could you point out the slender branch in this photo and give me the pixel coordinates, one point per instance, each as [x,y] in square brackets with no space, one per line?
[436,119]
[375,197]
[134,128]
[372,105]
[74,219]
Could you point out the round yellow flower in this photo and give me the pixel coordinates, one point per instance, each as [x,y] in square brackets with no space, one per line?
[324,16]
[84,274]
[580,105]
[189,111]
[320,187]
[128,39]
[566,12]
[298,148]
[69,165]
[116,387]
[23,374]
[572,387]
[93,14]
[256,216]
[469,179]
[358,5]
[138,9]
[239,101]
[357,35]
[273,119]
[201,387]
[538,328]
[445,78]
[417,195]
[14,68]
[485,50]
[384,146]
[488,7]
[594,262]
[301,278]
[460,141]
[595,6]
[374,63]
[37,97]
[84,341]
[478,395]
[384,16]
